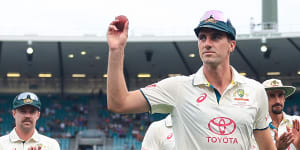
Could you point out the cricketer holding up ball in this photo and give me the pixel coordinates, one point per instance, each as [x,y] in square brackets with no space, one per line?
[213,109]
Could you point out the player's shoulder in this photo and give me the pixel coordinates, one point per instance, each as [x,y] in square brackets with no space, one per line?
[4,138]
[251,82]
[292,117]
[48,139]
[180,79]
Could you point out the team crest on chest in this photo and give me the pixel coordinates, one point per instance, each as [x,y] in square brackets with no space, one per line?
[240,97]
[241,92]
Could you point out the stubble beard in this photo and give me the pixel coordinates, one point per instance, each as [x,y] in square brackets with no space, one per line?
[277,112]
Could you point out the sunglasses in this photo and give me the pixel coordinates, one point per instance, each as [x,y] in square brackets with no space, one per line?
[31,96]
[214,14]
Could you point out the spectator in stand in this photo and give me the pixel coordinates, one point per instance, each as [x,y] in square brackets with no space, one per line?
[289,110]
[295,110]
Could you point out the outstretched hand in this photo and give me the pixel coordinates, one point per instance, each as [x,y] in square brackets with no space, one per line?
[284,141]
[116,36]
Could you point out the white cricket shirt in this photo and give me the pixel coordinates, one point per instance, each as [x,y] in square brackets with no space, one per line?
[287,120]
[159,136]
[199,121]
[13,142]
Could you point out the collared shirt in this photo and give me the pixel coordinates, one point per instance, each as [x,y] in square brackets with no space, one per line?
[13,142]
[286,121]
[159,136]
[200,121]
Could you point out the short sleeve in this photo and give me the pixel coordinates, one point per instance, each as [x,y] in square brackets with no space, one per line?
[260,122]
[160,95]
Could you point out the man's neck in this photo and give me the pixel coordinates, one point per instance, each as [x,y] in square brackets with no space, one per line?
[24,135]
[276,119]
[220,77]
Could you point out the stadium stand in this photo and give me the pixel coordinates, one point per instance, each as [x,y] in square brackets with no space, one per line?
[63,117]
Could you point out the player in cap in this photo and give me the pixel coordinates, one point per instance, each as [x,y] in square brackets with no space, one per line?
[159,136]
[285,127]
[26,112]
[215,108]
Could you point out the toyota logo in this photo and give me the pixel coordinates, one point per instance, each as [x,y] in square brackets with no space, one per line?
[222,126]
[201,98]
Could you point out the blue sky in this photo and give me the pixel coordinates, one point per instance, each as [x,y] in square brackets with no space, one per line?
[147,17]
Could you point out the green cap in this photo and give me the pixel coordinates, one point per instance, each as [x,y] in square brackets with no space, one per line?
[27,98]
[217,20]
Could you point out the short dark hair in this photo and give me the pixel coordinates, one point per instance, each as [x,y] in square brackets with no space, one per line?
[229,36]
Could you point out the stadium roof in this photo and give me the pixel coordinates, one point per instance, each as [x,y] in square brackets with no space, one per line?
[170,55]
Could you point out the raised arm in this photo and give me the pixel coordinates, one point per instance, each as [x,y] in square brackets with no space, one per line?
[119,99]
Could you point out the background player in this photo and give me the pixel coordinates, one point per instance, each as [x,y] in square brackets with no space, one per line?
[285,127]
[159,136]
[26,111]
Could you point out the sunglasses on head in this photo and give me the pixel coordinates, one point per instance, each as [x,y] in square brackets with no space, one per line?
[214,14]
[27,96]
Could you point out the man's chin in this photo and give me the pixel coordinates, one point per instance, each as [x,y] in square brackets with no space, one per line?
[210,61]
[27,125]
[276,111]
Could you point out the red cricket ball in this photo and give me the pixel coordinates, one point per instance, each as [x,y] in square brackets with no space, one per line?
[122,20]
